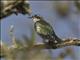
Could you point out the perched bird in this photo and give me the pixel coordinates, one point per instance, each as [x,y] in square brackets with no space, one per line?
[45,30]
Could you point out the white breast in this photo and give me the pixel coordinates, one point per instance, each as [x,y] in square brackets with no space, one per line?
[38,28]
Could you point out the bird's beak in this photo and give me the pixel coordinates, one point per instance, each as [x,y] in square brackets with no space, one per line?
[30,17]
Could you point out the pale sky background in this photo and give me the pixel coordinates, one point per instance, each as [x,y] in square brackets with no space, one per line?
[68,27]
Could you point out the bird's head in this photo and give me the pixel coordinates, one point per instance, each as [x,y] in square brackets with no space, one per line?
[36,18]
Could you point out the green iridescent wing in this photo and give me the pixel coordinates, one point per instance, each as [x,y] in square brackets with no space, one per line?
[43,28]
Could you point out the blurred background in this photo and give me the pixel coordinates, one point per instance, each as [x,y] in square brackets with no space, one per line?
[62,15]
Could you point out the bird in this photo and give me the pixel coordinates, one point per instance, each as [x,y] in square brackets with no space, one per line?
[45,31]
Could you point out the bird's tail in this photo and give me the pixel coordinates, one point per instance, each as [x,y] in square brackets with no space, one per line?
[55,38]
[52,42]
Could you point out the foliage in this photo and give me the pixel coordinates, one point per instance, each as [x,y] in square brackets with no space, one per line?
[20,51]
[9,7]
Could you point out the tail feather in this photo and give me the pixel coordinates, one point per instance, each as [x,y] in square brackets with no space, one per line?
[55,38]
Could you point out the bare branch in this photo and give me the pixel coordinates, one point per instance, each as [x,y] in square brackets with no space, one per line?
[66,42]
[69,42]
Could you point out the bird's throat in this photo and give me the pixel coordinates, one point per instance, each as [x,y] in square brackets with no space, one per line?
[35,19]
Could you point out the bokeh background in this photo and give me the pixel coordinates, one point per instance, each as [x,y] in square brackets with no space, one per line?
[64,26]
